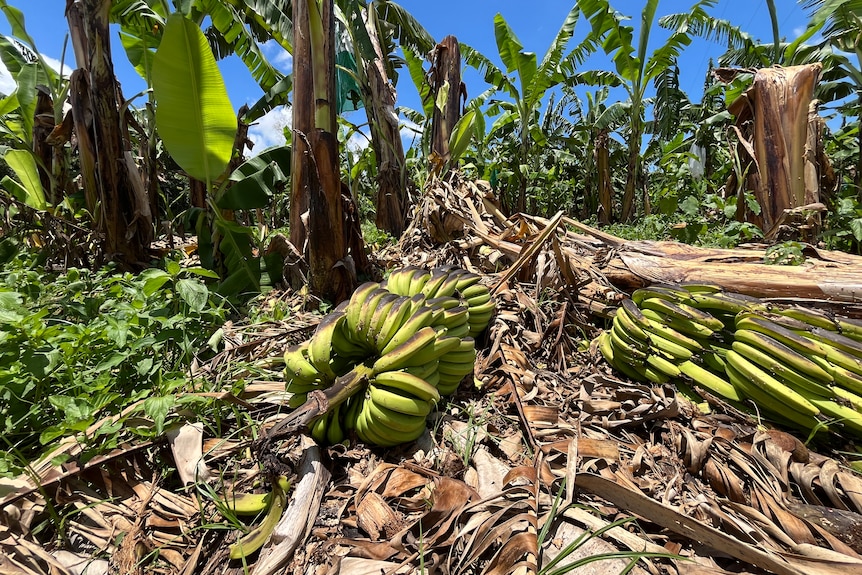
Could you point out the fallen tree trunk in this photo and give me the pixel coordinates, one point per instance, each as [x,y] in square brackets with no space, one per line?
[837,279]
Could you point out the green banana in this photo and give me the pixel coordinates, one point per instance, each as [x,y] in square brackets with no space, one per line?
[721,301]
[836,340]
[782,334]
[396,421]
[456,356]
[769,385]
[768,406]
[381,314]
[334,431]
[460,331]
[420,319]
[475,291]
[786,355]
[849,327]
[320,344]
[694,287]
[846,416]
[812,317]
[255,539]
[628,323]
[466,281]
[781,371]
[356,303]
[424,371]
[483,309]
[402,309]
[393,399]
[683,326]
[454,317]
[450,285]
[662,291]
[247,504]
[402,355]
[628,341]
[367,315]
[843,377]
[455,369]
[433,284]
[631,350]
[705,378]
[442,303]
[657,328]
[418,281]
[343,345]
[297,366]
[439,347]
[317,428]
[368,434]
[409,384]
[660,364]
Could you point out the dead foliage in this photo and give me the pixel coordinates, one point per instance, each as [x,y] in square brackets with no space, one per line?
[513,475]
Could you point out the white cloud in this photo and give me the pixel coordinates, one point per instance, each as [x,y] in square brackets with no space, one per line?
[269,129]
[278,56]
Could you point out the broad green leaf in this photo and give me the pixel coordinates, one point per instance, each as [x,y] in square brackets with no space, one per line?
[856,228]
[256,180]
[194,293]
[140,49]
[16,22]
[154,279]
[462,134]
[24,166]
[243,269]
[157,409]
[194,115]
[26,93]
[508,45]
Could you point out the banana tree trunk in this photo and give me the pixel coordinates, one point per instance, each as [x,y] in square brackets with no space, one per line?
[331,269]
[778,145]
[446,88]
[631,176]
[302,124]
[392,198]
[126,218]
[603,172]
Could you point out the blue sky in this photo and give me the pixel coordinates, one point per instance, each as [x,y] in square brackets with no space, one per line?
[471,21]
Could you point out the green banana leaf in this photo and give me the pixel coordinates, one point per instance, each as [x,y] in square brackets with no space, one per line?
[194,116]
[255,181]
[29,188]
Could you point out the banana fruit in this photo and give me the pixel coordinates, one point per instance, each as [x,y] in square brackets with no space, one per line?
[795,366]
[258,536]
[414,337]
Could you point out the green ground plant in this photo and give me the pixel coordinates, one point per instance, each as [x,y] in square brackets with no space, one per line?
[78,346]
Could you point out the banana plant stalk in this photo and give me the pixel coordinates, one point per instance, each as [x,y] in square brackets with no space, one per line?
[315,153]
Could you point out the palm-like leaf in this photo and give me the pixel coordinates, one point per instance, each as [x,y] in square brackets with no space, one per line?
[235,38]
[405,28]
[549,70]
[489,71]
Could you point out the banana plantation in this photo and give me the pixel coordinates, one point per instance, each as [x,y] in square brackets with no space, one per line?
[558,316]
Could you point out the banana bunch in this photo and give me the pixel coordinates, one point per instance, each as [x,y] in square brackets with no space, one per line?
[802,368]
[412,337]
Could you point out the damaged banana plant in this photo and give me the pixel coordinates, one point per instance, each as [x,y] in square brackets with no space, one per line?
[801,368]
[399,346]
